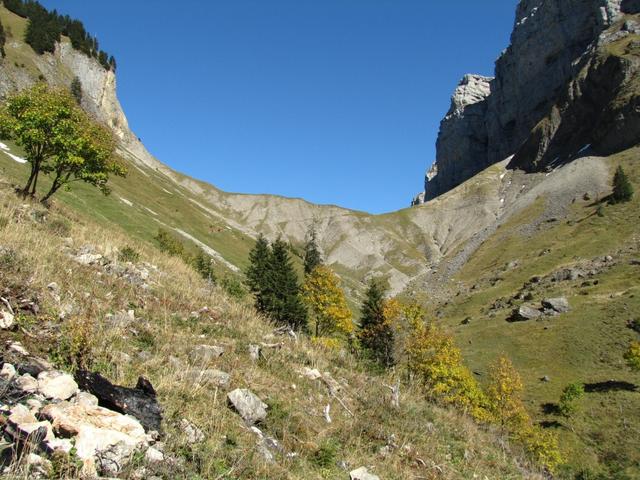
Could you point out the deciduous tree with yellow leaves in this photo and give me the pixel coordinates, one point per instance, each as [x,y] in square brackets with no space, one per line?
[433,357]
[326,302]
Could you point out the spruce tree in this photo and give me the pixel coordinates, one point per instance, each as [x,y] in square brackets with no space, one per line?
[312,255]
[376,334]
[622,188]
[258,273]
[284,297]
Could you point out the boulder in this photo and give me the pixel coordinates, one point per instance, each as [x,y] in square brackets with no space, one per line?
[560,304]
[205,353]
[362,473]
[104,439]
[311,373]
[248,405]
[524,313]
[57,385]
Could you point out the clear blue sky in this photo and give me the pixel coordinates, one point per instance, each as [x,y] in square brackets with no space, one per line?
[335,101]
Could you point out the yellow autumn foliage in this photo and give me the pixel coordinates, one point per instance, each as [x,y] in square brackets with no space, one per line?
[433,357]
[632,356]
[326,303]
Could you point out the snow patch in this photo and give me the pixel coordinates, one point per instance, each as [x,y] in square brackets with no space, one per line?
[4,147]
[150,211]
[586,147]
[208,250]
[167,191]
[125,201]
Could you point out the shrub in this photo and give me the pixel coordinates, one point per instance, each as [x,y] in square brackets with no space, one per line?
[568,404]
[326,454]
[203,264]
[169,244]
[128,254]
[233,287]
[632,356]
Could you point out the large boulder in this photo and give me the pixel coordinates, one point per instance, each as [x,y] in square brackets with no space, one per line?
[560,304]
[248,405]
[524,313]
[104,440]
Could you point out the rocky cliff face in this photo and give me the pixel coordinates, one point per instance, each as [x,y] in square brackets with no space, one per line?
[98,88]
[551,43]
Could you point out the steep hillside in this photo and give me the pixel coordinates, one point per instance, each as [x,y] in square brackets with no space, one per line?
[498,232]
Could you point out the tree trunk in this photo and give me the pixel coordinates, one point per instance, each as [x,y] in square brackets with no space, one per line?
[27,187]
[54,188]
[35,183]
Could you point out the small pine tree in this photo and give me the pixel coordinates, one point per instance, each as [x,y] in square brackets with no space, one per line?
[284,299]
[376,335]
[622,188]
[203,264]
[76,89]
[312,256]
[258,274]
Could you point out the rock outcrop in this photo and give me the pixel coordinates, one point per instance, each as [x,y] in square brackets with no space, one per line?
[559,72]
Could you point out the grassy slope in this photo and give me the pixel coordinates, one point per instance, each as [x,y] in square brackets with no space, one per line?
[429,439]
[585,344]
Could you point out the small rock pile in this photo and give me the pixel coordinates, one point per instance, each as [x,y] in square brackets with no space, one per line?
[45,412]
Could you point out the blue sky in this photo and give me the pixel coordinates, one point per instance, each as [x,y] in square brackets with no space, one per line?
[335,101]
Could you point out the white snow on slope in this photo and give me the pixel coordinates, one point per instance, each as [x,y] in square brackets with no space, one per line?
[5,148]
[208,250]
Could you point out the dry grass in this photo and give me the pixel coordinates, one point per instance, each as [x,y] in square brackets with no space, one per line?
[429,442]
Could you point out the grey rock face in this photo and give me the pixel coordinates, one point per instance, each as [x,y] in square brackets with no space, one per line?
[490,119]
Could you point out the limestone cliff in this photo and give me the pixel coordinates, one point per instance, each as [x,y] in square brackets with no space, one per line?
[552,43]
[98,88]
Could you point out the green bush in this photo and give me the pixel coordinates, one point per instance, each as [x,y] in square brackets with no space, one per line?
[169,244]
[128,254]
[568,404]
[622,188]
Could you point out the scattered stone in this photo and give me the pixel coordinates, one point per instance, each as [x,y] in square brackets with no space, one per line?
[635,261]
[205,353]
[254,352]
[53,287]
[209,376]
[248,405]
[85,399]
[193,433]
[333,386]
[466,321]
[8,372]
[362,473]
[25,427]
[27,383]
[121,319]
[560,304]
[311,373]
[545,379]
[56,385]
[524,313]
[153,455]
[88,258]
[268,446]
[7,320]
[34,405]
[608,258]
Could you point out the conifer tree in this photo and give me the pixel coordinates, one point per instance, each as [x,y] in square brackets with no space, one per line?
[312,255]
[258,273]
[622,188]
[376,334]
[284,297]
